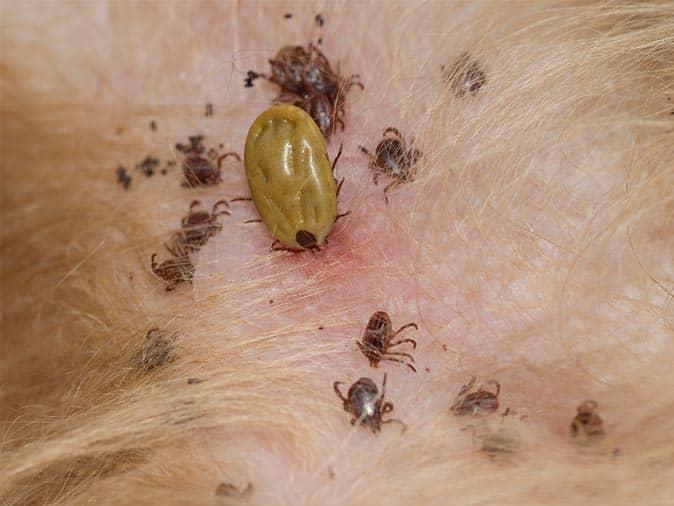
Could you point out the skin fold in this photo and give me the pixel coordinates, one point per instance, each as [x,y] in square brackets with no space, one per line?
[533,248]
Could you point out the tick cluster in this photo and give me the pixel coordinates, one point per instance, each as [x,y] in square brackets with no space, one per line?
[200,166]
[308,81]
[197,227]
[363,400]
[368,406]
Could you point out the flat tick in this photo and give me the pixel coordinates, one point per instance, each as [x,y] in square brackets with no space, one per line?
[365,404]
[378,339]
[393,158]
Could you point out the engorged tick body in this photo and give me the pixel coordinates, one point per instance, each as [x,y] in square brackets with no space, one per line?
[290,177]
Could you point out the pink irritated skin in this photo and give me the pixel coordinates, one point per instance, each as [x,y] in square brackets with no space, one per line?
[490,258]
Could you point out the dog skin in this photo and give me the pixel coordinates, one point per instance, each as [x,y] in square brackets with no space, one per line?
[533,248]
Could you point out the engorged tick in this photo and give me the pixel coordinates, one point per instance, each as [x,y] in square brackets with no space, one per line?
[291,178]
[197,228]
[363,402]
[378,338]
[479,402]
[393,158]
[174,271]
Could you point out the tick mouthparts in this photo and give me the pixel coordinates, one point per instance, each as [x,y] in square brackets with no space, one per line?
[306,239]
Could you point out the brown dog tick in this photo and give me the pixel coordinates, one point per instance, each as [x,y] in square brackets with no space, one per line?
[393,158]
[363,402]
[306,78]
[157,351]
[479,402]
[287,67]
[378,340]
[587,423]
[174,271]
[197,169]
[465,76]
[197,228]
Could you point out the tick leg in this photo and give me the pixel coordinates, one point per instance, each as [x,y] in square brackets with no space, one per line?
[335,385]
[274,247]
[386,357]
[414,343]
[222,158]
[364,150]
[256,220]
[395,420]
[339,153]
[237,199]
[353,80]
[339,186]
[341,216]
[391,185]
[214,210]
[406,326]
[398,354]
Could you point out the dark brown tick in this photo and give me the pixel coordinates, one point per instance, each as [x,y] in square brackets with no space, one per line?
[158,350]
[308,81]
[287,67]
[378,340]
[197,169]
[479,402]
[363,402]
[174,271]
[587,423]
[393,158]
[465,76]
[197,228]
